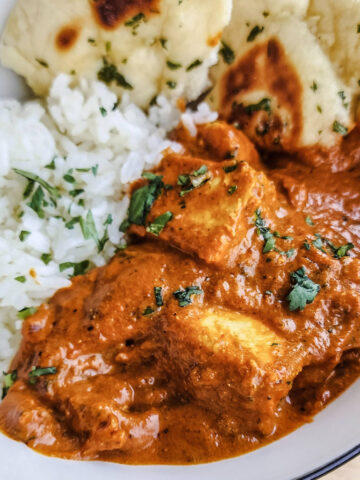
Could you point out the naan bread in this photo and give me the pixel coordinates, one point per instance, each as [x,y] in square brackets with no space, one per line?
[275,81]
[141,46]
[336,26]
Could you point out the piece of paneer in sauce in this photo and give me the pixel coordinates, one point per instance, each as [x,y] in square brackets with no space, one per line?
[210,199]
[232,360]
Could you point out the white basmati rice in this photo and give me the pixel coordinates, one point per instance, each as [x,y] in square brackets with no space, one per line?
[88,147]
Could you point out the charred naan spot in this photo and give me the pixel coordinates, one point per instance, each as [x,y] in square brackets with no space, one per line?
[67,37]
[110,13]
[276,120]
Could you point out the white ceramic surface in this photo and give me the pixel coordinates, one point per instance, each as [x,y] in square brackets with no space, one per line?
[334,431]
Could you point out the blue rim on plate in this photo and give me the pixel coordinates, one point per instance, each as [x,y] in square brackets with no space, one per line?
[333,465]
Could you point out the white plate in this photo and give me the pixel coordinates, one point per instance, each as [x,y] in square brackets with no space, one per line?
[314,449]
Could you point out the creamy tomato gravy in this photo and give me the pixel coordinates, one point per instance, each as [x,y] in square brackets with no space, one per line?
[136,383]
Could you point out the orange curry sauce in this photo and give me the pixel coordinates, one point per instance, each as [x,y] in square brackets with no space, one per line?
[136,375]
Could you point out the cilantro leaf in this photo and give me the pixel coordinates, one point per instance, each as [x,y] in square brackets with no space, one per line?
[143,198]
[340,252]
[254,33]
[9,380]
[309,221]
[173,65]
[37,202]
[339,128]
[303,292]
[148,311]
[26,312]
[231,168]
[158,296]
[109,73]
[265,232]
[37,372]
[183,296]
[264,104]
[227,53]
[194,64]
[79,268]
[23,235]
[54,192]
[157,226]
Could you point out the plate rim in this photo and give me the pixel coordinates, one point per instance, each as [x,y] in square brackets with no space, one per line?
[332,465]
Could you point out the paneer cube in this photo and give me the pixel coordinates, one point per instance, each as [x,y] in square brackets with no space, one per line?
[210,204]
[231,363]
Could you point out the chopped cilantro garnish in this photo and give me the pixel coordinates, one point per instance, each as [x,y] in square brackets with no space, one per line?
[307,245]
[109,73]
[89,231]
[264,104]
[232,189]
[270,237]
[37,202]
[42,62]
[314,86]
[231,168]
[227,53]
[339,128]
[71,223]
[53,192]
[200,171]
[265,232]
[341,251]
[194,180]
[173,65]
[79,268]
[125,224]
[143,198]
[254,33]
[76,192]
[20,279]
[194,64]
[9,380]
[26,312]
[157,226]
[158,296]
[303,291]
[69,178]
[171,84]
[109,220]
[135,21]
[148,311]
[51,165]
[318,243]
[309,221]
[183,296]
[37,372]
[23,235]
[103,111]
[343,98]
[46,258]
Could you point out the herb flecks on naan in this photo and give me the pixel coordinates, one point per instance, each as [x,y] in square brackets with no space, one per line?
[275,81]
[142,47]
